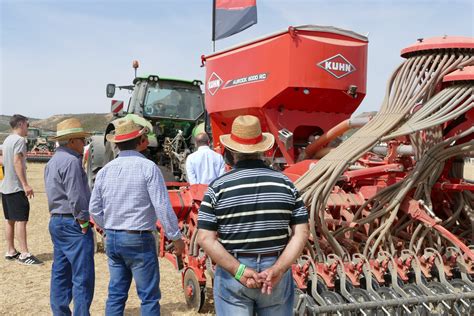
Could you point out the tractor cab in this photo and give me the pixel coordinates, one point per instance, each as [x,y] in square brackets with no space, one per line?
[173,110]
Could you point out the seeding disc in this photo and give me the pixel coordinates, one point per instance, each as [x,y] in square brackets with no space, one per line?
[194,293]
[441,42]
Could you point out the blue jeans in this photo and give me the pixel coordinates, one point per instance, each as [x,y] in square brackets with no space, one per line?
[132,255]
[232,298]
[72,275]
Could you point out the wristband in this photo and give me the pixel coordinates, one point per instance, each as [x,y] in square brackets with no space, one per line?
[85,225]
[240,272]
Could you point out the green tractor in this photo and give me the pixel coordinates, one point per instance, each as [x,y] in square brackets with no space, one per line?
[173,111]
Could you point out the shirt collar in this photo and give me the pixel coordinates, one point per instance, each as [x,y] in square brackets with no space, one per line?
[203,147]
[69,151]
[250,164]
[130,153]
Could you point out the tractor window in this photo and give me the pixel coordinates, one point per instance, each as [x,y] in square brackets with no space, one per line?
[170,100]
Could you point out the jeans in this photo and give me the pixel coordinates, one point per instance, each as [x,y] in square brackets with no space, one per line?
[232,298]
[72,275]
[132,255]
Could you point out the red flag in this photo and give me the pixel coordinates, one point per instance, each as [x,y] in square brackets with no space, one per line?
[233,16]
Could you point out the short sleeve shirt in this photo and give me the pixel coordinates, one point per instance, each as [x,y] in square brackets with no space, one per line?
[252,208]
[13,145]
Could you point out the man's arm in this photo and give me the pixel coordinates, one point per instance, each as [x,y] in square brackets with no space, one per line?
[273,275]
[192,179]
[20,170]
[96,206]
[207,239]
[77,193]
[164,212]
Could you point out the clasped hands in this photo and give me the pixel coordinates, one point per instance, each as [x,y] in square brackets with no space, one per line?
[265,280]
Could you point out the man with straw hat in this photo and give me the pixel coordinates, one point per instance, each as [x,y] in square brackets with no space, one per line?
[72,275]
[244,223]
[129,196]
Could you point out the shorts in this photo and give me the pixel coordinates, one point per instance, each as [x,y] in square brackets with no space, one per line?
[16,206]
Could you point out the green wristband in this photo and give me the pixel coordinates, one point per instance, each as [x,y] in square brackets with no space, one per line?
[86,224]
[240,272]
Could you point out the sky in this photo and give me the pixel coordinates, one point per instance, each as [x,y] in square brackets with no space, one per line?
[56,56]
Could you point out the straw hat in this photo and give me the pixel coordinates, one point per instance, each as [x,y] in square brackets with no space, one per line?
[70,128]
[247,137]
[125,130]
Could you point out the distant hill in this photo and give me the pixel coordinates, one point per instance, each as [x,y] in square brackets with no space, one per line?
[92,122]
[5,123]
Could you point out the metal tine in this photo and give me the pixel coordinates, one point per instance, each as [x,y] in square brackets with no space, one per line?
[426,306]
[464,302]
[385,311]
[456,309]
[446,304]
[406,309]
[342,276]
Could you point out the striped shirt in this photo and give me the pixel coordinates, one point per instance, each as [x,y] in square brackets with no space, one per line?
[252,208]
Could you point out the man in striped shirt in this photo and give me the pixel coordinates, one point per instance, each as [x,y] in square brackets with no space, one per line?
[254,225]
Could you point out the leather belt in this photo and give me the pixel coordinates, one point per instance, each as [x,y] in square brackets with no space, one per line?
[138,232]
[62,215]
[135,232]
[247,254]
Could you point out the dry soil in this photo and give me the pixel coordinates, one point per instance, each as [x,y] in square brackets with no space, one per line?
[25,289]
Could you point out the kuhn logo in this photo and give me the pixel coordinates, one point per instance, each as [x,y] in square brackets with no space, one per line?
[214,83]
[338,66]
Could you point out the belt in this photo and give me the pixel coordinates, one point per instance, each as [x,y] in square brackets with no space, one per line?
[136,232]
[247,254]
[62,215]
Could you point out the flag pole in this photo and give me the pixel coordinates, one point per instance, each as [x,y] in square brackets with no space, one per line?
[213,26]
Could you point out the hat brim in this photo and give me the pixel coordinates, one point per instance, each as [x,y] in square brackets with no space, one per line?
[111,137]
[72,135]
[268,140]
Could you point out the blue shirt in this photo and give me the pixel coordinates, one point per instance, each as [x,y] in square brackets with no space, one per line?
[204,165]
[66,184]
[130,194]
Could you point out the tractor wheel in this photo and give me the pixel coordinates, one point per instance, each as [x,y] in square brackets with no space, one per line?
[111,152]
[194,293]
[91,168]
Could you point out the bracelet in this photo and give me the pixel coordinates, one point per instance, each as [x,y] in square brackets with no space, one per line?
[86,224]
[240,272]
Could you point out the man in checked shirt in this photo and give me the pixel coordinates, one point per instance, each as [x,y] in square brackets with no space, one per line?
[129,195]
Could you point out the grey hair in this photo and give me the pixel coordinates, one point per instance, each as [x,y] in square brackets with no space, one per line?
[63,142]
